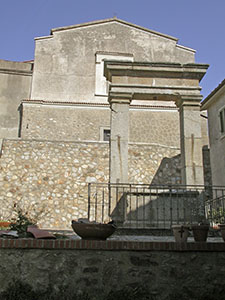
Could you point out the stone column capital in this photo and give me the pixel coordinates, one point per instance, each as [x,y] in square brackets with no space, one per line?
[123,98]
[192,101]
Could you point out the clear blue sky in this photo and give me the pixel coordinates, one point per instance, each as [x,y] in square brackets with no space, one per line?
[198,24]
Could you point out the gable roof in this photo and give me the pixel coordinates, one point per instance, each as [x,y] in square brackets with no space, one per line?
[206,102]
[113,20]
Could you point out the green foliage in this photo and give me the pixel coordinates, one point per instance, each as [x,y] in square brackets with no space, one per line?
[24,216]
[218,215]
[21,224]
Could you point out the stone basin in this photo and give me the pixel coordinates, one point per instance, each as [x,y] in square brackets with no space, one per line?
[93,231]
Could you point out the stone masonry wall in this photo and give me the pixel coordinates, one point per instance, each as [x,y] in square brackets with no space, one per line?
[156,164]
[164,274]
[47,122]
[52,176]
[69,123]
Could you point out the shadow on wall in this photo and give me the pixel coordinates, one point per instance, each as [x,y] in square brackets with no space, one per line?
[169,171]
[159,207]
[207,166]
[159,204]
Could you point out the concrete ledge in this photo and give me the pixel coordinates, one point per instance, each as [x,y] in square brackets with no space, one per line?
[109,245]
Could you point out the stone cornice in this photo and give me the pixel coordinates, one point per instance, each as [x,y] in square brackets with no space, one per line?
[157,69]
[120,97]
[91,104]
[189,101]
[16,72]
[163,93]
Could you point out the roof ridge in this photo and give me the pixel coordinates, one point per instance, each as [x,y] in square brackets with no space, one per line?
[213,92]
[102,21]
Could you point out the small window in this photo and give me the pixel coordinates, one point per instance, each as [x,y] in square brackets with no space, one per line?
[222,120]
[106,135]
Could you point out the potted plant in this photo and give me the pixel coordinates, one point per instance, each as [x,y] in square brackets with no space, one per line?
[200,231]
[91,230]
[218,218]
[180,232]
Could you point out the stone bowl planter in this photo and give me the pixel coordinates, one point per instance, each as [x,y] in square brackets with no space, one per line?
[200,232]
[222,229]
[180,233]
[93,231]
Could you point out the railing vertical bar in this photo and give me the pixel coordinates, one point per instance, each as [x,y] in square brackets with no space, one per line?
[163,208]
[211,206]
[89,200]
[157,209]
[222,200]
[184,204]
[129,208]
[116,193]
[136,210]
[144,206]
[127,205]
[217,206]
[179,206]
[171,206]
[103,203]
[96,203]
[150,206]
[109,199]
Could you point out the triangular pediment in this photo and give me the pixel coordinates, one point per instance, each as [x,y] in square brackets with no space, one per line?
[113,20]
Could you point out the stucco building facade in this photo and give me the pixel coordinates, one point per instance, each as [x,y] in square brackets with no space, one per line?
[214,103]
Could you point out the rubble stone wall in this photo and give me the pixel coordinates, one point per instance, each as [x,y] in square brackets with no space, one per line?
[47,122]
[49,179]
[164,274]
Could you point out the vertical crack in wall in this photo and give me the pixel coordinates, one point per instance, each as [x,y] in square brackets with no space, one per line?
[120,155]
[192,156]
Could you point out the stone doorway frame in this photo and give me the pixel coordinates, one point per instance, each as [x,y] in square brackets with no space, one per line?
[150,82]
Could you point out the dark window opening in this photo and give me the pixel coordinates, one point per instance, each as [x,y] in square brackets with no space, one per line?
[106,135]
[222,120]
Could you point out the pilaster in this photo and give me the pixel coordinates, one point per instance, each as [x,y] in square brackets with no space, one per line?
[119,103]
[191,141]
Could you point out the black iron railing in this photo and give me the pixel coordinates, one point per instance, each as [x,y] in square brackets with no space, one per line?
[149,206]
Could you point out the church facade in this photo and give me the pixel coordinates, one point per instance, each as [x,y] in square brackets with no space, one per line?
[57,111]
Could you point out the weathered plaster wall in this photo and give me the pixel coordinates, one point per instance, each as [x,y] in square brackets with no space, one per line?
[84,123]
[164,274]
[65,66]
[54,175]
[15,81]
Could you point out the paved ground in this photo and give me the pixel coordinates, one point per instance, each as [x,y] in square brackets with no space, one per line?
[146,238]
